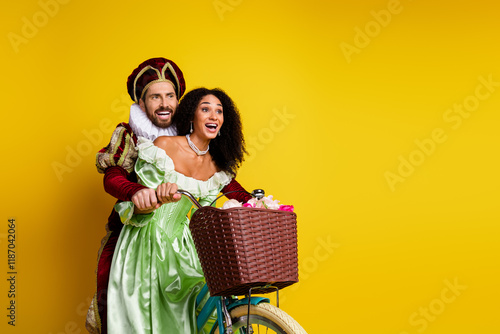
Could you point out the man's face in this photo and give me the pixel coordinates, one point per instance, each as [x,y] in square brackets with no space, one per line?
[160,104]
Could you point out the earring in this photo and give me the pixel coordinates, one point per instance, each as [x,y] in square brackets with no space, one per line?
[191,128]
[218,133]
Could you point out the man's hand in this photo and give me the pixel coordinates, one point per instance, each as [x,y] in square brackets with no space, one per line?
[145,201]
[167,193]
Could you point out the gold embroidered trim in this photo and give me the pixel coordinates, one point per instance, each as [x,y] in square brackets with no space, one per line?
[106,159]
[130,155]
[93,321]
[172,71]
[161,78]
[125,150]
[115,142]
[139,75]
[127,158]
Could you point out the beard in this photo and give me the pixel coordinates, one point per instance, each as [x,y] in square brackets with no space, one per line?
[159,122]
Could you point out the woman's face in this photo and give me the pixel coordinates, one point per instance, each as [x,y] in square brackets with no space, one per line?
[208,117]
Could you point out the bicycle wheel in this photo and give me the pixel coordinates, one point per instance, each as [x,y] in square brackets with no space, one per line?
[264,318]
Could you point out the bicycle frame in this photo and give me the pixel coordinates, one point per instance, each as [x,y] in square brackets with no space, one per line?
[223,305]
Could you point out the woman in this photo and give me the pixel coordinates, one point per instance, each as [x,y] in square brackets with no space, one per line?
[155,274]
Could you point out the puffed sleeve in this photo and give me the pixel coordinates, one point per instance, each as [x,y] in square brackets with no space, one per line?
[121,150]
[127,216]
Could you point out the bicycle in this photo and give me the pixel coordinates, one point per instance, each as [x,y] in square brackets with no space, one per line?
[249,314]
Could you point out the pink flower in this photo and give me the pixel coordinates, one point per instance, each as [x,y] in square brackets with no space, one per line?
[267,203]
[232,203]
[260,205]
[251,202]
[255,203]
[286,208]
[270,203]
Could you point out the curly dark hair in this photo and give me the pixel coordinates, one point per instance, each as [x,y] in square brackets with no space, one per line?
[227,150]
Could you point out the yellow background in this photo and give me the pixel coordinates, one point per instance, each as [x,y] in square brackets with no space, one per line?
[336,99]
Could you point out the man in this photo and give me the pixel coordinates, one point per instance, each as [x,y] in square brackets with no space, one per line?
[155,86]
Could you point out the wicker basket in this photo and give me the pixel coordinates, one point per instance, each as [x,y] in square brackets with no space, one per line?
[241,248]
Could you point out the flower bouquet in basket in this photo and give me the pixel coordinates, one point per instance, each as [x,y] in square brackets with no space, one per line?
[247,245]
[264,203]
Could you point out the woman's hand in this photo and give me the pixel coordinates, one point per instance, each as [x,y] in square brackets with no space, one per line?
[167,193]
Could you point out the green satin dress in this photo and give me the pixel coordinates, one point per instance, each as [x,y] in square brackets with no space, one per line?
[155,274]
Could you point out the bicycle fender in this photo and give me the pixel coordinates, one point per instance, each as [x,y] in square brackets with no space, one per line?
[253,301]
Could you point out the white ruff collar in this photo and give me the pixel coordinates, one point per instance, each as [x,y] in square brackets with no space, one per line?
[143,127]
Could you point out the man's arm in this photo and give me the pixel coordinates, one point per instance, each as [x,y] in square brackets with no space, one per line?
[239,194]
[116,161]
[117,184]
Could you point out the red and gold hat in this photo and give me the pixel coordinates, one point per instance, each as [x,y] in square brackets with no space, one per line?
[152,71]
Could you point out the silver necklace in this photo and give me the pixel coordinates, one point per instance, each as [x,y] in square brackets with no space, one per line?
[194,148]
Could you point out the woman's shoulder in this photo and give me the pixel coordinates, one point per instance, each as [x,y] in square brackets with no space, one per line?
[168,141]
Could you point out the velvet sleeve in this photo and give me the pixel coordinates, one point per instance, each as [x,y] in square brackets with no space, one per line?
[117,184]
[240,194]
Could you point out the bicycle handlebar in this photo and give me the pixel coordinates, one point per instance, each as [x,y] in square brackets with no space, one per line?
[190,197]
[256,193]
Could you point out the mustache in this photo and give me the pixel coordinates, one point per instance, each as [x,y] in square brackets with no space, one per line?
[165,109]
